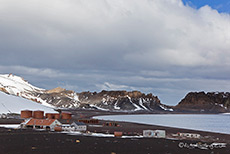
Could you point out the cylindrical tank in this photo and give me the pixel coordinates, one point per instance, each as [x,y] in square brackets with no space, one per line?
[56,116]
[38,114]
[66,115]
[49,115]
[26,114]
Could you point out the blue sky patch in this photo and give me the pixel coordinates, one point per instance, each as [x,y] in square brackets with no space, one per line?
[219,5]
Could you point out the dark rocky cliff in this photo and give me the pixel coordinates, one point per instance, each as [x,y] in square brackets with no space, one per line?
[201,101]
[104,100]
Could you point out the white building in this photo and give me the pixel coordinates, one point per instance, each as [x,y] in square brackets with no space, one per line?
[189,135]
[48,124]
[154,133]
[79,126]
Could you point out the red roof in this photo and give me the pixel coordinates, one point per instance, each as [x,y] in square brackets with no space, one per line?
[40,122]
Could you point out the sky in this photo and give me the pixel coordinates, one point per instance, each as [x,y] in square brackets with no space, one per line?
[219,5]
[164,47]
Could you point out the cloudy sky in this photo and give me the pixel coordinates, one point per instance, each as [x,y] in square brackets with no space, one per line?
[164,47]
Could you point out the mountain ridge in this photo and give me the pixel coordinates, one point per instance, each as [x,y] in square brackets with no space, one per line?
[202,101]
[122,101]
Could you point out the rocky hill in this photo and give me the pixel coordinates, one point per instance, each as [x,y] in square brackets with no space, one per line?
[121,101]
[209,102]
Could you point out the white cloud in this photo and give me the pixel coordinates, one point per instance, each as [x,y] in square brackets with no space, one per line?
[42,72]
[159,32]
[110,86]
[131,44]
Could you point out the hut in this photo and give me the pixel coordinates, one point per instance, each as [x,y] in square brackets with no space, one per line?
[154,133]
[48,124]
[79,126]
[118,134]
[189,135]
[148,133]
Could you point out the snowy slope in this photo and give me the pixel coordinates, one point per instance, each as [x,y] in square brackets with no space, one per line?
[14,104]
[16,85]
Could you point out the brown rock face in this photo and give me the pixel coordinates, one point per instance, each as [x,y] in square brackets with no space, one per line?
[104,100]
[123,100]
[211,101]
[4,90]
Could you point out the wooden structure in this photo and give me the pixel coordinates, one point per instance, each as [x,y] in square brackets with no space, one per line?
[48,124]
[118,134]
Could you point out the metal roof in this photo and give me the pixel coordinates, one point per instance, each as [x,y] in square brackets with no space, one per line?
[40,122]
[78,123]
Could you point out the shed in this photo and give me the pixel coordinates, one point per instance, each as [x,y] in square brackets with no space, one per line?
[160,134]
[154,133]
[79,126]
[118,134]
[148,133]
[189,135]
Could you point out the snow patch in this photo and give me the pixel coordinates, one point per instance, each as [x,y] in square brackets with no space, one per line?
[166,109]
[16,85]
[116,107]
[99,108]
[141,104]
[14,104]
[39,100]
[135,105]
[10,126]
[98,134]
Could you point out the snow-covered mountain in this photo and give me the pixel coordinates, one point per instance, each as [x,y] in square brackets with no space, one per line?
[133,101]
[15,85]
[60,98]
[14,104]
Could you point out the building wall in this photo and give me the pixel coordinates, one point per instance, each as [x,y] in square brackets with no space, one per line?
[68,128]
[54,124]
[79,127]
[154,133]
